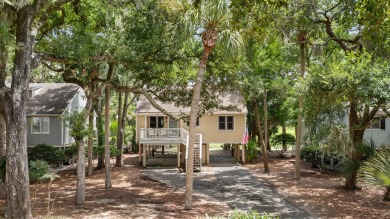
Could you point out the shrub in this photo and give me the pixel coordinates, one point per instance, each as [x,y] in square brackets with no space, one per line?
[99,150]
[309,152]
[71,151]
[376,171]
[38,169]
[252,150]
[48,153]
[279,139]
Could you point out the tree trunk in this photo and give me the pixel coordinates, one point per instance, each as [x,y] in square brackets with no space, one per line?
[193,115]
[90,144]
[261,139]
[266,130]
[387,194]
[356,136]
[107,138]
[298,142]
[80,188]
[119,138]
[14,113]
[3,73]
[2,137]
[100,131]
[253,129]
[284,142]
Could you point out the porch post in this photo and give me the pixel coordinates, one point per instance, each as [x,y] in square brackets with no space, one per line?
[141,146]
[208,153]
[178,156]
[144,157]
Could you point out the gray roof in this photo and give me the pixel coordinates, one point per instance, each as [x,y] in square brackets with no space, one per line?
[51,98]
[143,105]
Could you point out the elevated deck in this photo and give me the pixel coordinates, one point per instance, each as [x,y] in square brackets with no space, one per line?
[152,137]
[163,136]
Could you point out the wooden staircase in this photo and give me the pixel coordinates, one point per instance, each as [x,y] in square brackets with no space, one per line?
[197,152]
[197,158]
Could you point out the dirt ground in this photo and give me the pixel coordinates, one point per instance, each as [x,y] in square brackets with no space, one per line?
[321,194]
[134,196]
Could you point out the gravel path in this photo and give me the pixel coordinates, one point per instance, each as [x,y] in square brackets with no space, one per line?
[226,181]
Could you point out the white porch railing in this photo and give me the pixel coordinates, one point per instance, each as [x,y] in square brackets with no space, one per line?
[147,134]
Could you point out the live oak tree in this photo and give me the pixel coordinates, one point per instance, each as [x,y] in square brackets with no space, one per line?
[20,22]
[344,25]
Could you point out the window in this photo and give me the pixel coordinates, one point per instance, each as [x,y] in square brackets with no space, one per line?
[197,122]
[378,123]
[30,93]
[40,125]
[156,122]
[226,123]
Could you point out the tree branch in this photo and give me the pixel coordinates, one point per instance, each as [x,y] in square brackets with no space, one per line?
[9,5]
[53,69]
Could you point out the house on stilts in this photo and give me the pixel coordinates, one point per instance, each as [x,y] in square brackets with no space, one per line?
[155,129]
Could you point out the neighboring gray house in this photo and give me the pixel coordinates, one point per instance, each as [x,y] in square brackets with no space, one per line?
[46,105]
[378,132]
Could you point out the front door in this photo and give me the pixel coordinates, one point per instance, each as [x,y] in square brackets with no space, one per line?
[173,124]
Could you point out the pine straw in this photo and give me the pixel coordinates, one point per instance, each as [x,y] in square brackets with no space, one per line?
[321,194]
[132,196]
[135,196]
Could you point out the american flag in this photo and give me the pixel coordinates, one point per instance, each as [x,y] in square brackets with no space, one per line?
[245,138]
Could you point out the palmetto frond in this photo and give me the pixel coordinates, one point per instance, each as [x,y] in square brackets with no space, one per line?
[211,15]
[376,171]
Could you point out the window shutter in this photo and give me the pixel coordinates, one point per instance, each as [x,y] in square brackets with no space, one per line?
[383,124]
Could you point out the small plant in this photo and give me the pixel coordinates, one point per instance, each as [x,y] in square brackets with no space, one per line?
[38,169]
[50,177]
[376,171]
[252,151]
[48,153]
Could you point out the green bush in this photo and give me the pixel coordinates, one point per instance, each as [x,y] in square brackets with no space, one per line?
[288,138]
[99,150]
[71,151]
[252,150]
[48,153]
[309,152]
[38,169]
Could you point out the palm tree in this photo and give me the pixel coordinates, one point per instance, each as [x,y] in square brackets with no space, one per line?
[376,172]
[211,20]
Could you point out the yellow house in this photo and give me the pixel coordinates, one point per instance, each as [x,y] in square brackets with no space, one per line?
[220,126]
